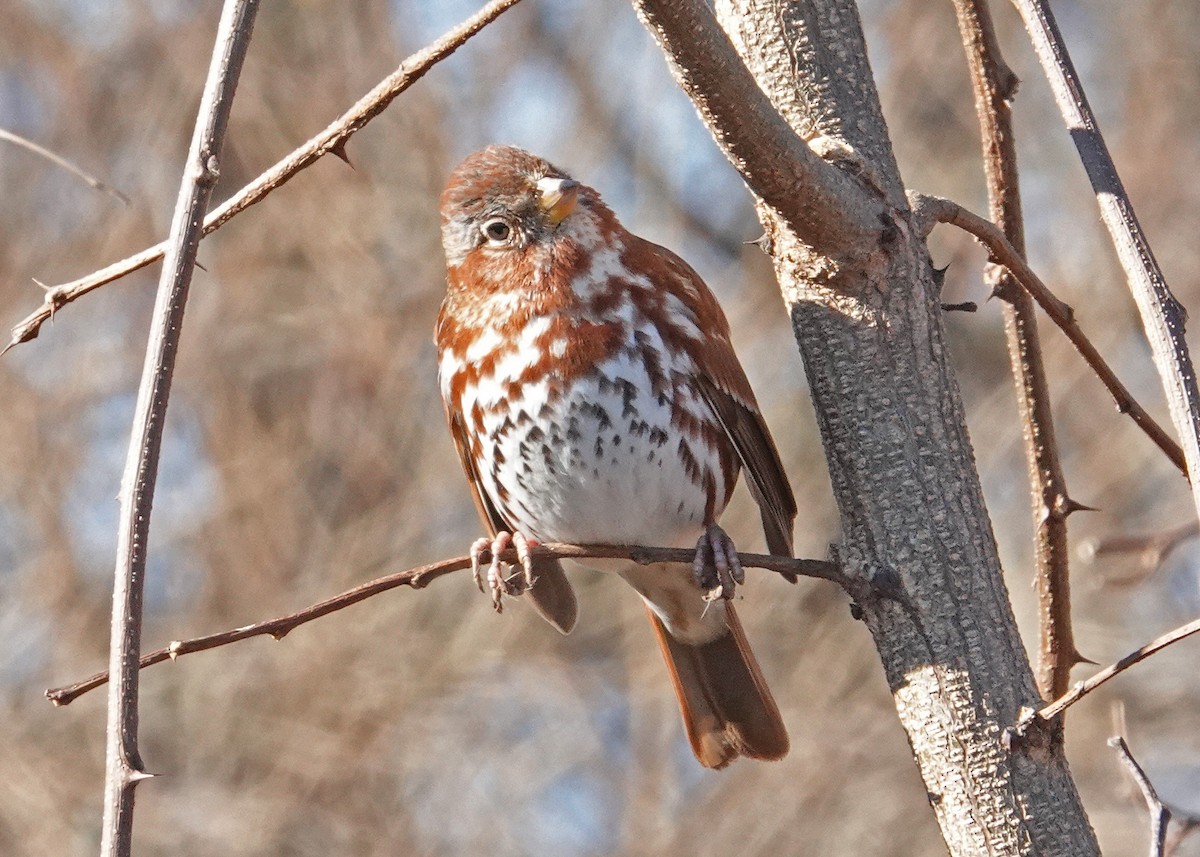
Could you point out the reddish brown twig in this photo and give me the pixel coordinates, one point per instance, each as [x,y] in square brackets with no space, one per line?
[332,140]
[995,84]
[418,578]
[1083,688]
[929,210]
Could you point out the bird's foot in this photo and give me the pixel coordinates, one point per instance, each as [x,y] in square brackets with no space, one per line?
[717,568]
[498,583]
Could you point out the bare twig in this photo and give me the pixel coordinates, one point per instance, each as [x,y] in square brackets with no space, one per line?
[1162,316]
[124,765]
[1083,688]
[1160,816]
[928,210]
[995,84]
[1151,550]
[418,578]
[62,163]
[832,210]
[332,140]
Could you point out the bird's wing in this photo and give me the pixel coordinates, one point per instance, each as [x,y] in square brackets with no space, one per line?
[724,386]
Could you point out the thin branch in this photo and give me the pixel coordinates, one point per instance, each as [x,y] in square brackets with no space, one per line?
[995,84]
[833,211]
[419,578]
[1151,550]
[332,140]
[1162,316]
[928,210]
[62,163]
[1160,816]
[1083,688]
[124,765]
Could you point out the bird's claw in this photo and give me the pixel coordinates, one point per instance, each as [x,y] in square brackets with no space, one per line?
[499,584]
[717,567]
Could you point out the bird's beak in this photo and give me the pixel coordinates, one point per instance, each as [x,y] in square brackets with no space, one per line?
[557,198]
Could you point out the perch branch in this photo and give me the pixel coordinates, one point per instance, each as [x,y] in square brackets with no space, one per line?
[418,578]
[62,163]
[1163,318]
[995,84]
[928,210]
[123,761]
[332,139]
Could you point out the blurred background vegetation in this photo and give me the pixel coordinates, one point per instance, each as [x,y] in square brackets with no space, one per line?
[306,452]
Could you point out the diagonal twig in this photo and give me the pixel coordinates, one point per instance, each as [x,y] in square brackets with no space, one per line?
[418,578]
[62,163]
[1160,815]
[995,84]
[929,210]
[1163,318]
[332,139]
[1083,688]
[123,768]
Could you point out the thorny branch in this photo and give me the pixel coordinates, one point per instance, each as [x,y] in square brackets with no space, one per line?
[419,578]
[332,140]
[123,768]
[995,84]
[1083,688]
[1163,318]
[928,210]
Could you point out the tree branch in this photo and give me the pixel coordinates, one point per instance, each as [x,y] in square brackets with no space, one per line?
[825,204]
[1083,688]
[928,210]
[1162,316]
[124,765]
[332,139]
[63,164]
[1160,816]
[419,578]
[995,84]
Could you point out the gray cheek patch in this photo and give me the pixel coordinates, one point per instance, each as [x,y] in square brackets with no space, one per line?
[459,237]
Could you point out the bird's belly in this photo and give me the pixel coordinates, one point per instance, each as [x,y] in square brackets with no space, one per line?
[596,461]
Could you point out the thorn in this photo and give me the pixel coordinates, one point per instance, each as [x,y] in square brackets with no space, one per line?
[11,343]
[1070,507]
[340,151]
[939,276]
[965,306]
[136,776]
[762,242]
[1080,659]
[173,650]
[201,267]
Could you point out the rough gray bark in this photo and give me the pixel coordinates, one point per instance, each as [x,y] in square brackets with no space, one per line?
[916,533]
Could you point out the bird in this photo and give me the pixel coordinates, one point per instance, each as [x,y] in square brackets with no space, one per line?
[594,397]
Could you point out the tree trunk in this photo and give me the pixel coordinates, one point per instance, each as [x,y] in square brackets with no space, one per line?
[915,531]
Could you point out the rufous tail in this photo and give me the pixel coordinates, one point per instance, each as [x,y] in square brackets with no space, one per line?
[727,708]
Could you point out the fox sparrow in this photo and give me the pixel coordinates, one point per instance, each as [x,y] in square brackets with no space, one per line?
[594,397]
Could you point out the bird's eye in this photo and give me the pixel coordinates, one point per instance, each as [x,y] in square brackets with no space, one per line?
[496,230]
